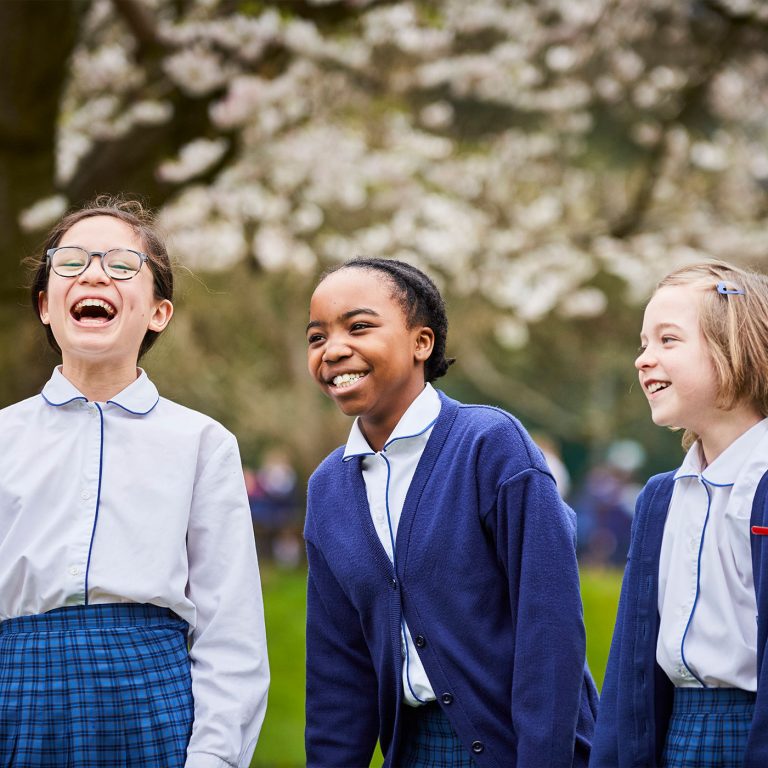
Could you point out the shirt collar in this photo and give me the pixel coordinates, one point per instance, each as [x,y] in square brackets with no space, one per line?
[139,397]
[419,417]
[730,464]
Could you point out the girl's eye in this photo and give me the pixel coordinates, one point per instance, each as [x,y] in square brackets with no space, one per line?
[667,339]
[359,326]
[314,338]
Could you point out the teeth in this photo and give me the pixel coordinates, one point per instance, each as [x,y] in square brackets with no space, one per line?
[656,386]
[110,310]
[346,379]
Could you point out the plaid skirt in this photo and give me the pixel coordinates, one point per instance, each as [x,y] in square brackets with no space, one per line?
[429,741]
[709,728]
[98,686]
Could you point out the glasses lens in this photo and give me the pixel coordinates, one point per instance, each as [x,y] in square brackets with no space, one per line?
[121,264]
[69,261]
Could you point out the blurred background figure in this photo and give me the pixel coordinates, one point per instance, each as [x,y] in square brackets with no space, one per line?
[276,509]
[605,505]
[551,451]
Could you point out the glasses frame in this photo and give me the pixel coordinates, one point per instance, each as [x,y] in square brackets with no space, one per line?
[101,254]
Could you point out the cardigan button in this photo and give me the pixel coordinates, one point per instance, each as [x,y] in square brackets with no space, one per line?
[477,747]
[394,583]
[447,698]
[420,641]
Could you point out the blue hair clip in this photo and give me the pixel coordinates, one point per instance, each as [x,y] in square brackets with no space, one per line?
[725,291]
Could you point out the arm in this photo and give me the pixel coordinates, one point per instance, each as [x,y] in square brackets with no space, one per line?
[535,538]
[230,673]
[342,691]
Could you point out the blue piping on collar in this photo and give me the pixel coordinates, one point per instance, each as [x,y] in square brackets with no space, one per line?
[109,402]
[390,442]
[135,413]
[64,402]
[408,437]
[703,480]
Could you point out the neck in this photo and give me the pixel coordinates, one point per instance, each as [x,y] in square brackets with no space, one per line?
[718,437]
[376,434]
[377,430]
[99,383]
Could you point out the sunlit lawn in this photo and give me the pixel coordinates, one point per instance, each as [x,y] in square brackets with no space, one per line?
[281,744]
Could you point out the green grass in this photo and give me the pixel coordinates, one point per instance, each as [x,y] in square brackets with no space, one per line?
[281,744]
[600,595]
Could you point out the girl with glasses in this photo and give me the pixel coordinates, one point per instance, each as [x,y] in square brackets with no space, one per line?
[131,620]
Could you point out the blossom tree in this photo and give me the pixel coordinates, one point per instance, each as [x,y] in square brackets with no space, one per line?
[545,160]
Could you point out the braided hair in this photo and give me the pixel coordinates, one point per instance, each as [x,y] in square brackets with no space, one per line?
[420,300]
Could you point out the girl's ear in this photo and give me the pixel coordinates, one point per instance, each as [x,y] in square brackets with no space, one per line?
[161,316]
[42,307]
[425,343]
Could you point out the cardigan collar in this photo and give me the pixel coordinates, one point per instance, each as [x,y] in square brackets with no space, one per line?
[139,397]
[418,418]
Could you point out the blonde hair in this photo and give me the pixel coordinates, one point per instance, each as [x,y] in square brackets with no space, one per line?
[734,322]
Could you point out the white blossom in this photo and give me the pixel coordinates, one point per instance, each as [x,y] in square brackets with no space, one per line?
[197,70]
[586,302]
[708,156]
[43,213]
[194,158]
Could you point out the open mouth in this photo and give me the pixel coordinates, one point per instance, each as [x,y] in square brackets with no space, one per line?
[656,386]
[93,311]
[346,379]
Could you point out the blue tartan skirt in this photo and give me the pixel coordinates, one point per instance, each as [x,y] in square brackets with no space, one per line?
[429,741]
[98,686]
[709,728]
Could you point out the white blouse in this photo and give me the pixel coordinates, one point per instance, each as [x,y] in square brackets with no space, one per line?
[140,500]
[387,475]
[707,604]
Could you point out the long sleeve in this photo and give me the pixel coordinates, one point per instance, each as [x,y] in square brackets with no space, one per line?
[535,538]
[230,674]
[342,715]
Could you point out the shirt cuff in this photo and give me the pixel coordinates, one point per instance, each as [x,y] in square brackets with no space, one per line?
[206,760]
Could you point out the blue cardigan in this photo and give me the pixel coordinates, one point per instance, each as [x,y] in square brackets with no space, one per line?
[487,581]
[637,695]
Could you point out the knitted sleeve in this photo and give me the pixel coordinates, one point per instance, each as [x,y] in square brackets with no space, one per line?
[342,722]
[534,533]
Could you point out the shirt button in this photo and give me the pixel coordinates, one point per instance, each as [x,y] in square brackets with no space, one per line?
[74,570]
[477,747]
[85,495]
[447,698]
[420,641]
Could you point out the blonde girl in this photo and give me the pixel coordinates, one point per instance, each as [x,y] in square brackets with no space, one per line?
[687,682]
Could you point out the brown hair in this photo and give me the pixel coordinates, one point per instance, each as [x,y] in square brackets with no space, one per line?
[734,323]
[141,221]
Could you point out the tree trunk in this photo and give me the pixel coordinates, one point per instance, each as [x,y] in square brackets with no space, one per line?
[36,40]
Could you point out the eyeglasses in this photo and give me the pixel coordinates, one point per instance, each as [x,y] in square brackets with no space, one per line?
[117,263]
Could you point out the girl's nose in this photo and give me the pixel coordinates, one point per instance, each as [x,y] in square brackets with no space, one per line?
[643,360]
[335,349]
[94,273]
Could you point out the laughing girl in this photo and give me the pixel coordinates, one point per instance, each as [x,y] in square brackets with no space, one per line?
[444,617]
[687,678]
[131,620]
